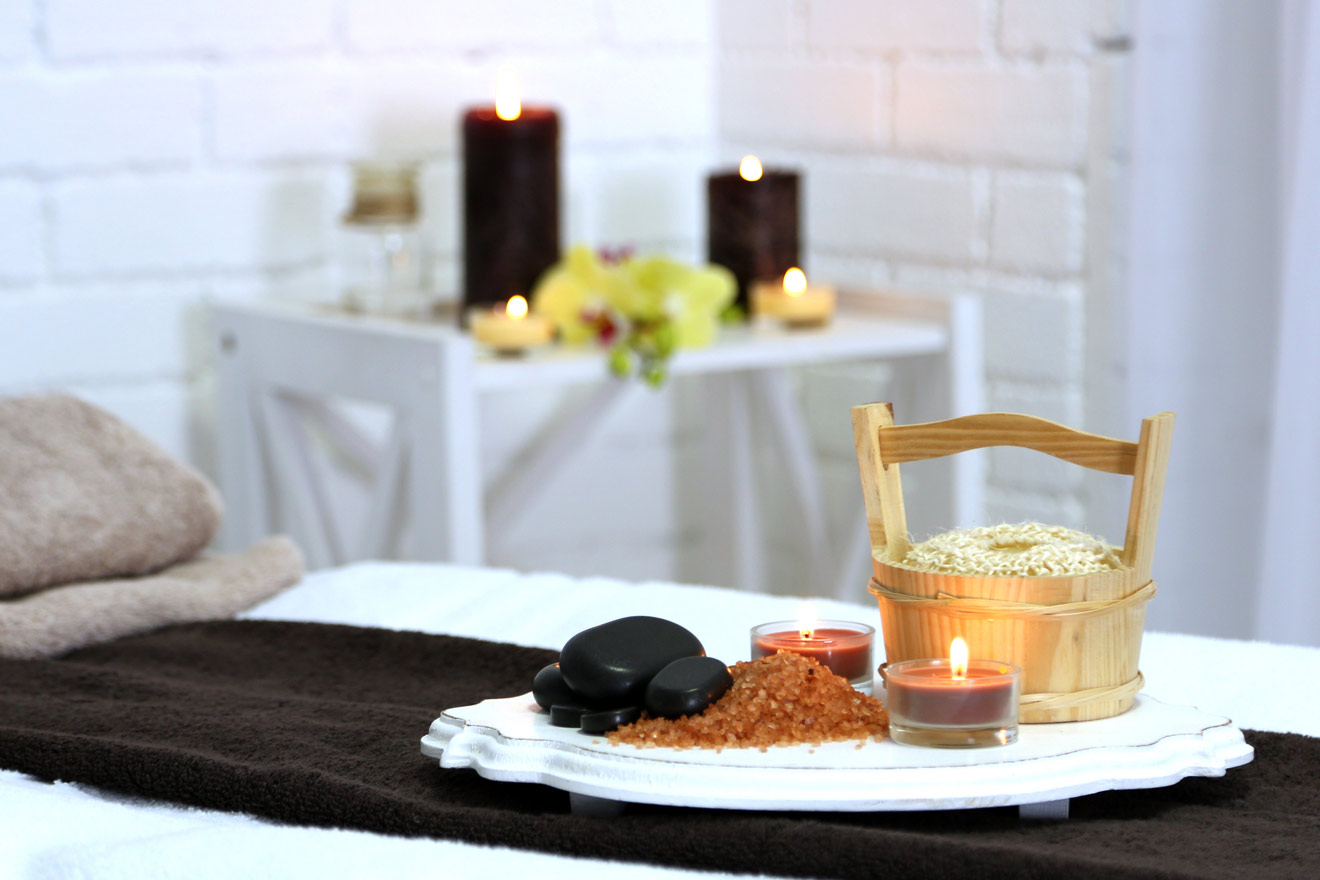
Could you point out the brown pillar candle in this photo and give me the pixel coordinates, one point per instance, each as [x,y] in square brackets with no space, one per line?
[752,223]
[510,197]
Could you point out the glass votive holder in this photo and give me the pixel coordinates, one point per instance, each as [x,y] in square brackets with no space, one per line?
[844,647]
[931,706]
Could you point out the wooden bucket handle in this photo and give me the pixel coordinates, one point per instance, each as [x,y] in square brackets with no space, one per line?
[882,445]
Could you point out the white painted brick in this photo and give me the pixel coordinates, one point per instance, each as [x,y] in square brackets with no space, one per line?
[647,201]
[166,412]
[1058,403]
[759,24]
[1037,338]
[884,25]
[1025,468]
[844,270]
[1039,222]
[279,112]
[178,223]
[662,22]
[411,108]
[820,105]
[408,108]
[93,28]
[21,226]
[1040,26]
[440,189]
[17,29]
[906,211]
[1014,506]
[1035,115]
[1110,114]
[646,99]
[99,119]
[1113,21]
[96,333]
[375,25]
[1028,469]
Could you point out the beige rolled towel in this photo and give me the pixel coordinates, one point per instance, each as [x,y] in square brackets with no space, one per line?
[83,496]
[62,619]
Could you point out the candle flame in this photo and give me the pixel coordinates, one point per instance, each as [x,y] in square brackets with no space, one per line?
[517,308]
[958,658]
[750,168]
[795,281]
[807,619]
[508,106]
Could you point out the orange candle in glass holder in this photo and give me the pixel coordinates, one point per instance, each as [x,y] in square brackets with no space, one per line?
[956,702]
[843,647]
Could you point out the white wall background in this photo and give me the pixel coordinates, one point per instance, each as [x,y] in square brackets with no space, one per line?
[156,155]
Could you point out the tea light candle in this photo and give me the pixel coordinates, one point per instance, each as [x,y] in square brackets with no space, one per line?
[954,703]
[510,329]
[793,301]
[843,647]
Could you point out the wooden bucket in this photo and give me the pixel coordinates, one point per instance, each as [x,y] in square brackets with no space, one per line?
[1077,638]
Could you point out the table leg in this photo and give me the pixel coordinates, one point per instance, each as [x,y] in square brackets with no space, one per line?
[789,425]
[444,474]
[594,807]
[1046,810]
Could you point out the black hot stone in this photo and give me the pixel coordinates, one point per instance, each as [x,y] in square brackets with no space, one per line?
[605,720]
[564,715]
[687,686]
[549,688]
[611,664]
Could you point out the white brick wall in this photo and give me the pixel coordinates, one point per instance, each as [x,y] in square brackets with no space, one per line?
[381,25]
[995,156]
[158,153]
[896,25]
[1032,116]
[857,210]
[174,223]
[93,29]
[836,105]
[1038,222]
[16,31]
[21,249]
[84,120]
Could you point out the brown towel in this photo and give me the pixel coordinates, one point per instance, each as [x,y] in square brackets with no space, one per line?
[83,496]
[61,619]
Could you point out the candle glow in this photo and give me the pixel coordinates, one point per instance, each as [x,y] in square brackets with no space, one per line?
[508,105]
[517,308]
[807,619]
[795,282]
[750,168]
[958,658]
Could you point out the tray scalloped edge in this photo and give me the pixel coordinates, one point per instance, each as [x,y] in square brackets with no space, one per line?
[496,739]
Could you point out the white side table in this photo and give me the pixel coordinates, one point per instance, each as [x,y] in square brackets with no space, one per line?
[280,364]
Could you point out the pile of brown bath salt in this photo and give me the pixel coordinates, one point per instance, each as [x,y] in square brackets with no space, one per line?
[781,700]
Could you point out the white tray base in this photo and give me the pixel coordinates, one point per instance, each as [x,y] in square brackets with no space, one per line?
[1153,744]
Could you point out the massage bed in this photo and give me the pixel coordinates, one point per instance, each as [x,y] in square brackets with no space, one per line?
[65,830]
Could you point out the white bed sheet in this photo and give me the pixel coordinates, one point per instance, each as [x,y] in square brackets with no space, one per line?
[69,831]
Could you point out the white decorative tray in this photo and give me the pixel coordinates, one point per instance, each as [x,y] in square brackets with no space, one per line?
[1153,744]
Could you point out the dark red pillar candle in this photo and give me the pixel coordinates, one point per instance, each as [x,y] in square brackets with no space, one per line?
[510,202]
[753,226]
